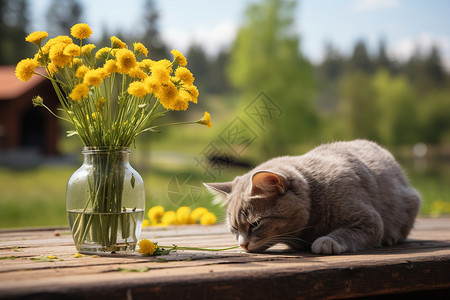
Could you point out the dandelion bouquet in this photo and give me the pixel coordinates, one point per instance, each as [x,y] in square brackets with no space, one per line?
[110,96]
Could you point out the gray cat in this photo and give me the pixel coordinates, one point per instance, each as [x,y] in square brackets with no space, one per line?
[339,197]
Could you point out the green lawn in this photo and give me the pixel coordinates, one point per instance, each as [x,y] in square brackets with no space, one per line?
[36,197]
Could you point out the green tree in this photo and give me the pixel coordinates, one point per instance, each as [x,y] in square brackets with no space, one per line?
[198,64]
[13,30]
[358,108]
[398,123]
[62,15]
[266,57]
[360,60]
[332,67]
[426,73]
[151,37]
[329,72]
[434,116]
[382,60]
[219,83]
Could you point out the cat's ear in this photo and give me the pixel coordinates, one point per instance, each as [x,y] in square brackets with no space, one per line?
[267,182]
[220,190]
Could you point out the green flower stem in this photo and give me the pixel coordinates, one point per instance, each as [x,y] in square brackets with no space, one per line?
[175,247]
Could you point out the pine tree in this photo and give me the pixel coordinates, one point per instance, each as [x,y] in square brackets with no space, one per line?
[151,37]
[62,15]
[13,30]
[266,58]
[360,60]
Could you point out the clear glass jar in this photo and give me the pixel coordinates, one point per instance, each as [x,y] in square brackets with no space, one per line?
[105,202]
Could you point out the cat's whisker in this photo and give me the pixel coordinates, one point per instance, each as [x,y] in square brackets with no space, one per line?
[286,238]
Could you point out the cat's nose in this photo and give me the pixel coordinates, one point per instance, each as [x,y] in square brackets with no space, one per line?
[243,242]
[244,246]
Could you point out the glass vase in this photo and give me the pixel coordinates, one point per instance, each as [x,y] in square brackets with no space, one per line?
[105,201]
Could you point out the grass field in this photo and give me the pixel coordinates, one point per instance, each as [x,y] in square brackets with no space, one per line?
[169,165]
[36,197]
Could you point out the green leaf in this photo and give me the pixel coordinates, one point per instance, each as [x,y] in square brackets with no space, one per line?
[8,257]
[45,259]
[138,270]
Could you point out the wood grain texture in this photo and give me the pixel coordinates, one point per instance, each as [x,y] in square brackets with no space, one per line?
[420,266]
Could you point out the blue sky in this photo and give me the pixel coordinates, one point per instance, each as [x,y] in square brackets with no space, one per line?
[403,24]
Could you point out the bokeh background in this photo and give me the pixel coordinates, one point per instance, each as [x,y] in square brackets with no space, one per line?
[278,77]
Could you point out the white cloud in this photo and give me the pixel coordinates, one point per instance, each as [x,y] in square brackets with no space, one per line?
[424,42]
[371,5]
[211,38]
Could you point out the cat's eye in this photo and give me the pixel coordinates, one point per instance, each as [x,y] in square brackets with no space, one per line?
[255,224]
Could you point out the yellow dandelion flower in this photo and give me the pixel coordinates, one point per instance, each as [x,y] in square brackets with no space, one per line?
[155,214]
[52,69]
[163,63]
[139,48]
[81,71]
[64,39]
[161,74]
[146,247]
[102,53]
[206,120]
[79,92]
[40,58]
[125,60]
[208,219]
[183,215]
[57,55]
[110,66]
[194,93]
[167,94]
[197,214]
[36,37]
[87,49]
[153,85]
[114,51]
[72,50]
[146,65]
[179,103]
[169,218]
[81,31]
[178,58]
[117,43]
[136,72]
[78,255]
[185,75]
[137,89]
[94,77]
[25,69]
[145,223]
[102,72]
[100,104]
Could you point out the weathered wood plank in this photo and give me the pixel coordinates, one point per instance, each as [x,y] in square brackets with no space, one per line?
[420,264]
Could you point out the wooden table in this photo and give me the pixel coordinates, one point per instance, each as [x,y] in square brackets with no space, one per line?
[419,267]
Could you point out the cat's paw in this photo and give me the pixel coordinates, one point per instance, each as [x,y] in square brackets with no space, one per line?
[326,245]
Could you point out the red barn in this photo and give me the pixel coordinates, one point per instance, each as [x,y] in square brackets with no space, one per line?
[23,127]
